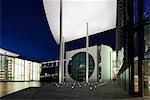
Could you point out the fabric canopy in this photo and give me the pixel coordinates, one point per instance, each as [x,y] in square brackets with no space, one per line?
[100,14]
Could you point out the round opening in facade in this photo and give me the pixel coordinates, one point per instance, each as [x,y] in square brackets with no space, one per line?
[77,66]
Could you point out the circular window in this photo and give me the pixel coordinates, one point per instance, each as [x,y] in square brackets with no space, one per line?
[77,66]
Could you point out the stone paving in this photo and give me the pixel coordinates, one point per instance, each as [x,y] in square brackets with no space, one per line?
[73,91]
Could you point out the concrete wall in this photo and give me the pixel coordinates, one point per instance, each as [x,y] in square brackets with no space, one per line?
[106,63]
[92,51]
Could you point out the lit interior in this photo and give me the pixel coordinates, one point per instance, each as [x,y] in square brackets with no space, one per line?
[5,52]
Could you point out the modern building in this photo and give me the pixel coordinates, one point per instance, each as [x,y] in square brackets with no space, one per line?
[12,68]
[49,71]
[97,40]
[131,52]
[132,46]
[102,59]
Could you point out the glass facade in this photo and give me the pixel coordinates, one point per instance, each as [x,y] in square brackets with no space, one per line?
[77,66]
[135,27]
[15,69]
[146,45]
[146,61]
[50,68]
[49,71]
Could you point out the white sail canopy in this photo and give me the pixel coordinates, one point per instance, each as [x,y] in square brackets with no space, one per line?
[100,14]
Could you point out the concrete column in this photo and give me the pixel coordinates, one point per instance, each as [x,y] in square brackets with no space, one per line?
[63,50]
[60,53]
[87,57]
[61,63]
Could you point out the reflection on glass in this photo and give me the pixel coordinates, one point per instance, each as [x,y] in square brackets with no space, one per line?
[136,85]
[146,61]
[10,87]
[77,66]
[146,69]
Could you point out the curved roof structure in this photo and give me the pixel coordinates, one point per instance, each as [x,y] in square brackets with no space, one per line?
[30,28]
[100,14]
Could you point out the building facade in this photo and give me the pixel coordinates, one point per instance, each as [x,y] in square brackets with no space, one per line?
[13,68]
[132,46]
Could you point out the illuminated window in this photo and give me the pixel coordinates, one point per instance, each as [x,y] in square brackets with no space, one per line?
[77,66]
